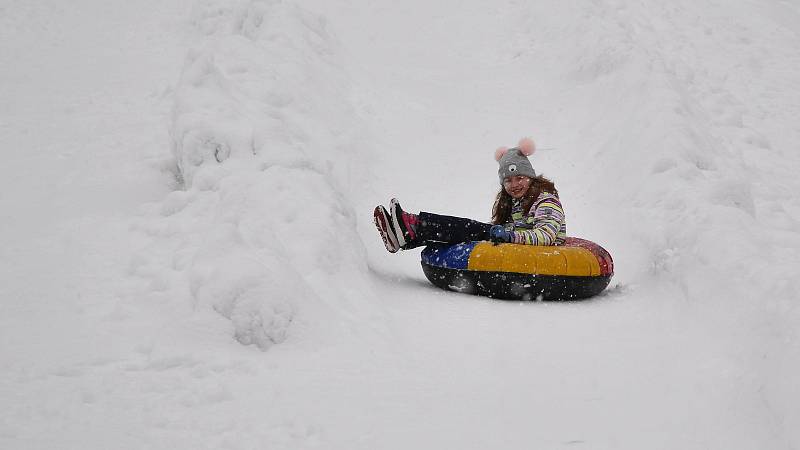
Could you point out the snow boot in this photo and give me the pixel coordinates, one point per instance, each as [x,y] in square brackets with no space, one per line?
[405,224]
[383,222]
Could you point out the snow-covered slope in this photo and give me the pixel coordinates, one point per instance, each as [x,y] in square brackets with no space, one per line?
[181,178]
[269,151]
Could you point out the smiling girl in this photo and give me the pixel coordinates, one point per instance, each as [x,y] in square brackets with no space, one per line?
[527,210]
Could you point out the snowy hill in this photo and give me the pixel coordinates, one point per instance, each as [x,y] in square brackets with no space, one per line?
[188,258]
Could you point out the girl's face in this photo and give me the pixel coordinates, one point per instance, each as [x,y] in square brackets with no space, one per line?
[516,186]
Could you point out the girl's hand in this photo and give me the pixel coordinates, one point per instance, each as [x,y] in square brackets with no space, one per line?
[498,233]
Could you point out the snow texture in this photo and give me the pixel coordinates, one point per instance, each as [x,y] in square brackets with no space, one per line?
[262,131]
[187,258]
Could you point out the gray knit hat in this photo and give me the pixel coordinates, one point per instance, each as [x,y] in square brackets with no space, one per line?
[514,161]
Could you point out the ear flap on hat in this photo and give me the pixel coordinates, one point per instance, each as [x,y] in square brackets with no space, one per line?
[499,153]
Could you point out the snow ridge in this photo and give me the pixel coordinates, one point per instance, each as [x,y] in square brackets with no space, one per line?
[262,136]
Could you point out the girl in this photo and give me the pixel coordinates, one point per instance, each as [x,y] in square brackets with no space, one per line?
[526,211]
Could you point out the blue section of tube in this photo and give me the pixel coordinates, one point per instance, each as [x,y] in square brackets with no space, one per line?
[448,256]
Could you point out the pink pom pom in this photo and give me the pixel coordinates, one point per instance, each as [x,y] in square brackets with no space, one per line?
[526,146]
[499,153]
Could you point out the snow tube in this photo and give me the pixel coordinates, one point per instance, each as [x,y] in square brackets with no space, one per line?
[577,269]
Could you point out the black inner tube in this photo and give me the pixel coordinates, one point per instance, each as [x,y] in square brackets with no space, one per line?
[516,286]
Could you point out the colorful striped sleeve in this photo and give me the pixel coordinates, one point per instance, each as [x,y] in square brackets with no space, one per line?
[545,221]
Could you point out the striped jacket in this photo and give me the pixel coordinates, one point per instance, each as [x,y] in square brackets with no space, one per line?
[544,224]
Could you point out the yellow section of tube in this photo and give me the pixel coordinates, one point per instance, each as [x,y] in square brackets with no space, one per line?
[533,259]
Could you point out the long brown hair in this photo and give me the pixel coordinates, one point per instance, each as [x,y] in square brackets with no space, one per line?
[501,211]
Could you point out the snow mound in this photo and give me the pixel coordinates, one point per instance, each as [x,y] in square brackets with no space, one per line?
[262,136]
[266,83]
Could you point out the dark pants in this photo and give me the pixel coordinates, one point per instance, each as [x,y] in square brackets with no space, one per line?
[438,228]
